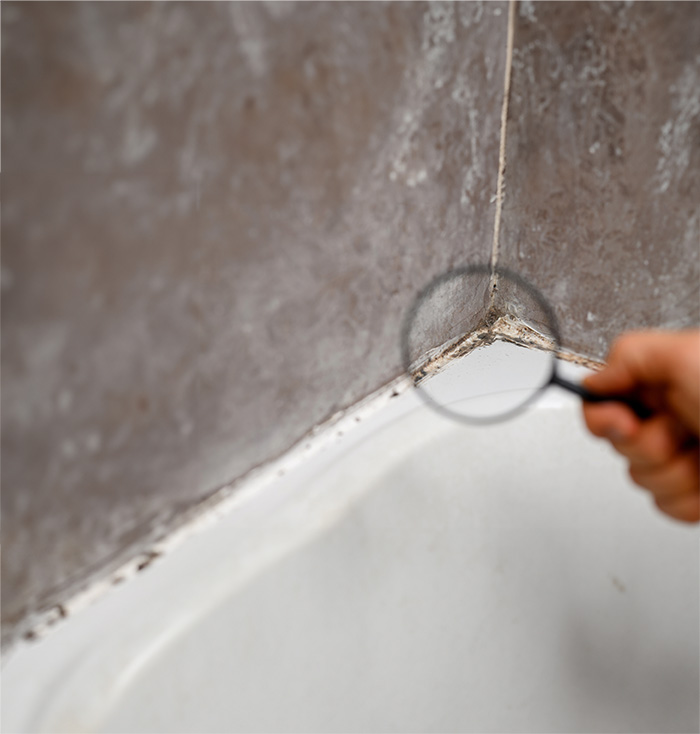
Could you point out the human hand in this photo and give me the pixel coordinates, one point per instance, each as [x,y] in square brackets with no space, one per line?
[663,369]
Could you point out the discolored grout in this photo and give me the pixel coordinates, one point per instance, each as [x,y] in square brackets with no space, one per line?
[503,327]
[500,183]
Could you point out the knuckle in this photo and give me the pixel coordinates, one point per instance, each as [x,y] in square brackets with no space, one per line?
[656,443]
[614,351]
[597,429]
[593,421]
[659,452]
[687,360]
[621,346]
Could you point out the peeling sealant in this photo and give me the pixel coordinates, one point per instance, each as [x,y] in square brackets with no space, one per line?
[227,499]
[233,496]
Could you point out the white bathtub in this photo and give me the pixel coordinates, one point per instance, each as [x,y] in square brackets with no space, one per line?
[418,575]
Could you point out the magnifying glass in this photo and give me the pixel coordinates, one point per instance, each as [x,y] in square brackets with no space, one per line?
[452,337]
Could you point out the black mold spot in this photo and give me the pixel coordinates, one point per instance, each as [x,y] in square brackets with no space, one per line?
[146,562]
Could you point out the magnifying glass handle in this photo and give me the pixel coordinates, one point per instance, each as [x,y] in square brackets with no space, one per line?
[641,410]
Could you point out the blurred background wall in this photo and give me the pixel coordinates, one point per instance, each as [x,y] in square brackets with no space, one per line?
[215,214]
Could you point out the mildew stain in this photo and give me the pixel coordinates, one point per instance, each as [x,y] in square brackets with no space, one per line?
[494,327]
[436,360]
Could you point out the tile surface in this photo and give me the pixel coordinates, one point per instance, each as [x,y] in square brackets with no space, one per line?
[216,214]
[214,217]
[601,207]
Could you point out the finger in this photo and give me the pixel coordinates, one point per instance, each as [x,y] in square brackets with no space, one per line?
[685,508]
[649,358]
[614,421]
[679,476]
[655,442]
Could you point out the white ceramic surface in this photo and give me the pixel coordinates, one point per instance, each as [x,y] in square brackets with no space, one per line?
[419,575]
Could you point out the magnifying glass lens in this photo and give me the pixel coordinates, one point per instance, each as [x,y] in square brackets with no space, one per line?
[458,366]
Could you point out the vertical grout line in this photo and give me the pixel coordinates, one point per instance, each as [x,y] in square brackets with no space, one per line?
[502,149]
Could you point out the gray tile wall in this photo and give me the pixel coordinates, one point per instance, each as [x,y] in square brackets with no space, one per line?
[214,217]
[602,205]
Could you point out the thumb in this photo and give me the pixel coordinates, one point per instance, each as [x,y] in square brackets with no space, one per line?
[639,359]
